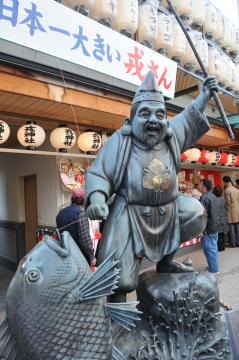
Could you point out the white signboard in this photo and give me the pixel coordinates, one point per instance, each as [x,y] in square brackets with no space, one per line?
[54,29]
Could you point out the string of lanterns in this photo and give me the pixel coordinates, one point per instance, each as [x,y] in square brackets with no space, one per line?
[210,157]
[31,136]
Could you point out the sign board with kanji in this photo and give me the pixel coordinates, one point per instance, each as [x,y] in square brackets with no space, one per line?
[73,37]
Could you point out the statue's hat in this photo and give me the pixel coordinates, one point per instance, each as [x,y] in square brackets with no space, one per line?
[148,90]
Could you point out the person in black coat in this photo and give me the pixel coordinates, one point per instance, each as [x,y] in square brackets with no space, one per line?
[223,220]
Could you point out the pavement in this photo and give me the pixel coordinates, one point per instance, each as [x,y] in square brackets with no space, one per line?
[227,279]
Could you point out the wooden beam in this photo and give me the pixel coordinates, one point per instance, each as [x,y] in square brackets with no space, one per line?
[21,85]
[46,153]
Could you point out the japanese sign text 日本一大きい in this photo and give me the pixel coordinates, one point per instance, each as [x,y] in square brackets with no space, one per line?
[78,39]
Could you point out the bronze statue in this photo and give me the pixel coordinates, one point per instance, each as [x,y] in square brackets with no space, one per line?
[139,163]
[56,308]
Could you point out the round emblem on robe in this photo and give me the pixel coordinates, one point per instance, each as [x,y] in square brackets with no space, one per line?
[156,176]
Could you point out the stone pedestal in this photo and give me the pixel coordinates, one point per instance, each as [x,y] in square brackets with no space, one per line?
[180,319]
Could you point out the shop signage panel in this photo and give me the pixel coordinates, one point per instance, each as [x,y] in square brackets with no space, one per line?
[54,29]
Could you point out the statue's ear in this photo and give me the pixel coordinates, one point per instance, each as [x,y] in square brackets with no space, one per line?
[126,129]
[169,131]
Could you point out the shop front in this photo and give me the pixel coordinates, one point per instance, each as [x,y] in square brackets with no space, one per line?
[59,75]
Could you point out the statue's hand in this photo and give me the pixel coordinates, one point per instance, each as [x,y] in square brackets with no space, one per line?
[208,85]
[98,209]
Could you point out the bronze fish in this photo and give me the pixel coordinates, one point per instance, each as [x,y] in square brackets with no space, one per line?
[56,308]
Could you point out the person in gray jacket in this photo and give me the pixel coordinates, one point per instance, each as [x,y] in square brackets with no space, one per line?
[210,234]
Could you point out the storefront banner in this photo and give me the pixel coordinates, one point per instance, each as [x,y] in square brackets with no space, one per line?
[57,30]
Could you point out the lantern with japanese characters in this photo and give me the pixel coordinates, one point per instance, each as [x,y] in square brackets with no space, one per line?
[193,154]
[231,159]
[226,40]
[210,23]
[184,8]
[178,49]
[127,17]
[147,33]
[222,76]
[230,83]
[213,157]
[214,61]
[202,48]
[89,141]
[198,13]
[189,60]
[4,132]
[105,12]
[84,7]
[165,34]
[234,48]
[31,135]
[62,138]
[218,35]
[236,78]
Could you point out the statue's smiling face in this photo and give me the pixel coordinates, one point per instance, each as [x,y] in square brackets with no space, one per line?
[149,124]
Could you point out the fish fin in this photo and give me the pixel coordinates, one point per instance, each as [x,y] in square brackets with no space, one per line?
[7,343]
[117,354]
[125,314]
[102,282]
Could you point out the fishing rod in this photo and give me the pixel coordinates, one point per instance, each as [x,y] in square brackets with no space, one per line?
[204,70]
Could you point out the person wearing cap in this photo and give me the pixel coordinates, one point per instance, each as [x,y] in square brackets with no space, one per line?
[74,220]
[231,194]
[140,163]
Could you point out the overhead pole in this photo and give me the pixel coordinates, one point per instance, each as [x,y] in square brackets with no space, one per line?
[204,70]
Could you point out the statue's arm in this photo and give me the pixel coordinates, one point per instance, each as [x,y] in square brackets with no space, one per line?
[192,123]
[100,180]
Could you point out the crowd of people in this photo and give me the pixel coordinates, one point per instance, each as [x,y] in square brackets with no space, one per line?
[222,207]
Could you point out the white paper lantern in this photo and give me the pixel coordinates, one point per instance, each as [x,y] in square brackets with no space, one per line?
[198,12]
[4,132]
[202,48]
[226,41]
[164,41]
[218,35]
[84,7]
[179,43]
[189,60]
[105,12]
[214,61]
[193,154]
[62,138]
[127,17]
[31,135]
[213,157]
[89,141]
[147,33]
[210,23]
[231,159]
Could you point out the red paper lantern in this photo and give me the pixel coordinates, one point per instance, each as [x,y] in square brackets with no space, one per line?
[213,157]
[183,156]
[237,161]
[224,157]
[203,158]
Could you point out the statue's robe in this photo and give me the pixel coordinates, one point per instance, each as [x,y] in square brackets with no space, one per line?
[147,217]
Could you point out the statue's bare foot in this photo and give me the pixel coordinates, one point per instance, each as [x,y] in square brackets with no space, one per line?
[172,267]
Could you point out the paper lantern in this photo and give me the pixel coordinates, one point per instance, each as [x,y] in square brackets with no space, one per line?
[202,48]
[4,132]
[189,60]
[184,156]
[214,61]
[203,157]
[226,40]
[234,48]
[231,159]
[31,135]
[178,49]
[165,34]
[184,8]
[84,7]
[198,13]
[210,23]
[213,157]
[237,161]
[147,33]
[218,35]
[105,12]
[127,17]
[193,154]
[223,159]
[89,141]
[223,75]
[230,82]
[62,138]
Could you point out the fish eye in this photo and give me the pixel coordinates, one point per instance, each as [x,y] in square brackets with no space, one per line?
[33,276]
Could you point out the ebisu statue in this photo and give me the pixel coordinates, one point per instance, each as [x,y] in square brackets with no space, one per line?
[139,163]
